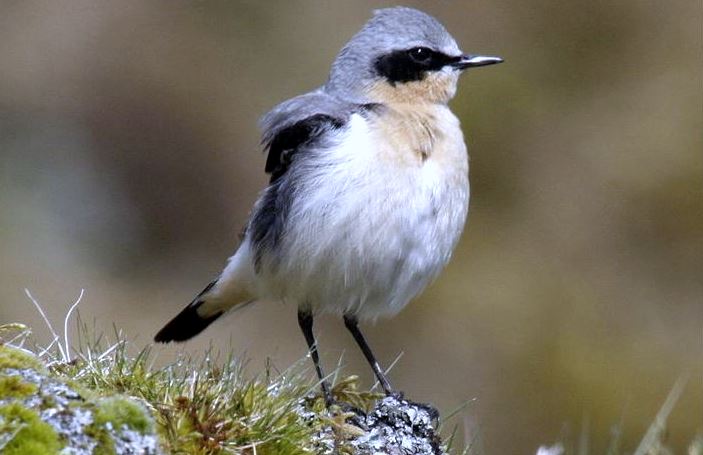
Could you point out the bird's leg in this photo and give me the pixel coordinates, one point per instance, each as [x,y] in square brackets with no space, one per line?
[353,326]
[305,322]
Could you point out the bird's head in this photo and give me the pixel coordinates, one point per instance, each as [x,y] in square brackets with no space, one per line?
[401,55]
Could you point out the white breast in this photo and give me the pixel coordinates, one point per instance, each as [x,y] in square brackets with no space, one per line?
[375,221]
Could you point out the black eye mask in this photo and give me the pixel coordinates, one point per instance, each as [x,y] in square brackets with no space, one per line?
[411,64]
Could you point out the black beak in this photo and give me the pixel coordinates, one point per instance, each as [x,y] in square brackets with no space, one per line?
[471,61]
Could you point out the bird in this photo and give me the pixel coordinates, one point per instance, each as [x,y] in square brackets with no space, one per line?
[368,192]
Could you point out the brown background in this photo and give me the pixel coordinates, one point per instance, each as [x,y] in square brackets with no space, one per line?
[130,158]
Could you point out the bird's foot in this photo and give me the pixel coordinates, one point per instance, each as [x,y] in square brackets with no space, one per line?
[397,394]
[400,396]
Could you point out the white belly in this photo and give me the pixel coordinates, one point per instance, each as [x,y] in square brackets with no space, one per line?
[372,226]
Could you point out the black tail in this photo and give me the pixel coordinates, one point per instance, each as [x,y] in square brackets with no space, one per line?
[188,323]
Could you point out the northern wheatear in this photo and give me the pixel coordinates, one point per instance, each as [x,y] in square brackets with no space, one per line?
[369,187]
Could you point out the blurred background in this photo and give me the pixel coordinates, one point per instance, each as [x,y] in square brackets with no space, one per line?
[130,156]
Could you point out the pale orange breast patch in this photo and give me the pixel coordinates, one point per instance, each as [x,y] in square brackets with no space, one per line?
[415,135]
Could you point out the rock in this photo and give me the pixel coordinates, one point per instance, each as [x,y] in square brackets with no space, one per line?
[42,414]
[398,427]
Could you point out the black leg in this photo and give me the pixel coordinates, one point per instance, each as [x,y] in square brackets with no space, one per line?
[353,326]
[305,322]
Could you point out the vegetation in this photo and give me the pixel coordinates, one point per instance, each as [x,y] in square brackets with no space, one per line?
[192,406]
[196,406]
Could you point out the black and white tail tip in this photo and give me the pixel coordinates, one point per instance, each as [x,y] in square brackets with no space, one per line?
[188,322]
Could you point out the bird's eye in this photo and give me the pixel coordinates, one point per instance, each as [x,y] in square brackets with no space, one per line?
[420,54]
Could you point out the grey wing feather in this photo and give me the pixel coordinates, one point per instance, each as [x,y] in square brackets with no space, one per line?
[301,107]
[291,131]
[297,125]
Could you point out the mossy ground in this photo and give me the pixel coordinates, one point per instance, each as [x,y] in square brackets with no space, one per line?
[119,411]
[15,387]
[211,407]
[197,406]
[203,407]
[21,429]
[19,359]
[22,432]
[41,412]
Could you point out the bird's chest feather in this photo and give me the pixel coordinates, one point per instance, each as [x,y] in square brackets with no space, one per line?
[420,171]
[395,189]
[378,214]
[419,139]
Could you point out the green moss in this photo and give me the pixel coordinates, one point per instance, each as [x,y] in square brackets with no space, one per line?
[47,402]
[15,358]
[25,432]
[100,434]
[15,387]
[118,412]
[122,411]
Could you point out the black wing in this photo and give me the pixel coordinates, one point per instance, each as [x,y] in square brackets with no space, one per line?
[268,220]
[283,147]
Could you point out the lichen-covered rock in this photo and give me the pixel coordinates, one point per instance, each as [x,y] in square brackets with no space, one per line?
[395,426]
[40,414]
[398,427]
